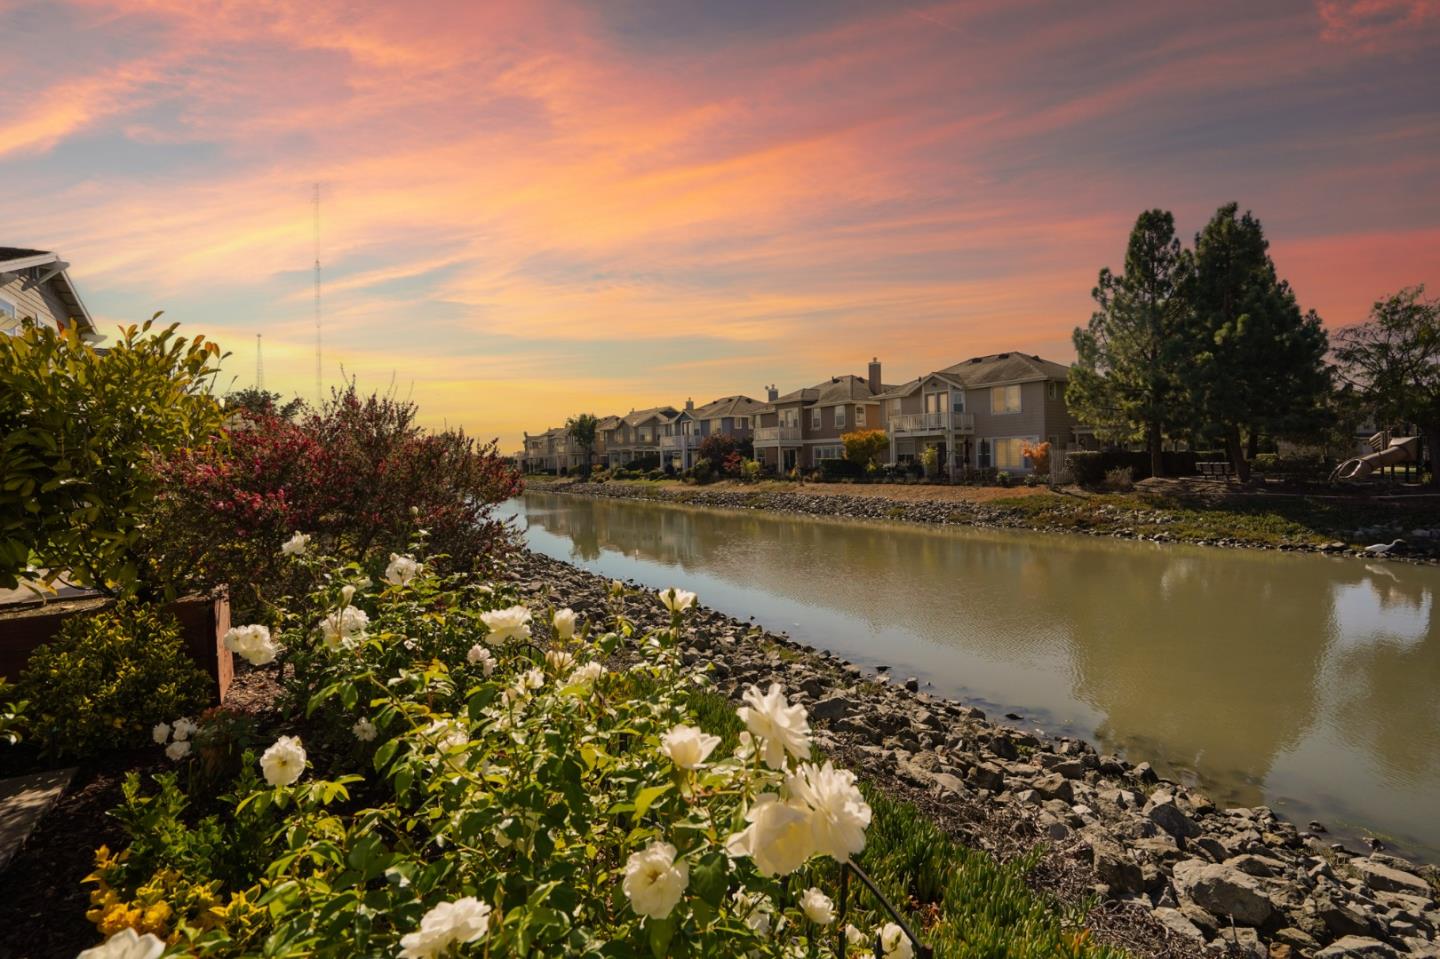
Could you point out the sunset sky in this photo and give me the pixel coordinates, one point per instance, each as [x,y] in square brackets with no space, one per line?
[535,209]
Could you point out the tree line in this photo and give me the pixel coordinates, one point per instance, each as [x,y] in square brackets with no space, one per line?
[1209,345]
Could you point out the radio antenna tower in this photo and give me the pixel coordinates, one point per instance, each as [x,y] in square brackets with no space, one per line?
[318,397]
[259,366]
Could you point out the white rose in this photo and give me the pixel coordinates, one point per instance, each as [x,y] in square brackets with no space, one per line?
[755,908]
[677,600]
[283,762]
[817,906]
[402,569]
[448,924]
[854,936]
[347,593]
[253,643]
[778,838]
[654,881]
[558,660]
[687,746]
[178,750]
[894,944]
[506,624]
[585,675]
[778,726]
[480,656]
[184,728]
[839,814]
[447,734]
[564,623]
[295,545]
[126,944]
[346,625]
[364,730]
[160,733]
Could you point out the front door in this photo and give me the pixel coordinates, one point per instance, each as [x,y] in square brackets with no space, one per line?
[789,459]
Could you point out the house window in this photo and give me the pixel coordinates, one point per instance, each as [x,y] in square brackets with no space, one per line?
[894,407]
[815,418]
[7,317]
[829,453]
[859,416]
[727,424]
[957,401]
[982,454]
[1005,399]
[839,417]
[1054,390]
[936,402]
[1007,453]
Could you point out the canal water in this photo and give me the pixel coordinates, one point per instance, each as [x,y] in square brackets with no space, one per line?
[1308,683]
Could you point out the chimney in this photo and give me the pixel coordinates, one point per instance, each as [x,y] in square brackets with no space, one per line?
[771,393]
[689,405]
[875,386]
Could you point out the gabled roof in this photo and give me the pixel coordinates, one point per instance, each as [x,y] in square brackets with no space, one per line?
[737,405]
[636,417]
[1003,368]
[607,423]
[51,269]
[837,389]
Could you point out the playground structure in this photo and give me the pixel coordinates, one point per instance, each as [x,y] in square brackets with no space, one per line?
[1389,451]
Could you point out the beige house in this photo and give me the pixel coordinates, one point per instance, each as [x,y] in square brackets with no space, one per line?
[637,436]
[35,284]
[804,427]
[981,413]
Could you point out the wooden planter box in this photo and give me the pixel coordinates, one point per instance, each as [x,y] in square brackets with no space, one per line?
[203,623]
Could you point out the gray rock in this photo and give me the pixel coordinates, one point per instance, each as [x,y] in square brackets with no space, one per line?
[1223,891]
[988,776]
[1115,868]
[1377,875]
[1168,817]
[1355,947]
[1055,786]
[1175,921]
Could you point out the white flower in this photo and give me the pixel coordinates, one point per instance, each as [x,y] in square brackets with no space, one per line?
[447,734]
[506,624]
[295,545]
[184,728]
[402,569]
[818,907]
[677,600]
[755,908]
[178,750]
[654,881]
[448,924]
[687,746]
[585,675]
[854,936]
[778,837]
[345,625]
[564,623]
[839,813]
[363,729]
[480,656]
[283,762]
[160,733]
[558,660]
[744,746]
[894,944]
[778,726]
[347,593]
[253,643]
[126,944]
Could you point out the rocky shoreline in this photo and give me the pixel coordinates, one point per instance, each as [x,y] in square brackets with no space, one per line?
[1142,525]
[1174,874]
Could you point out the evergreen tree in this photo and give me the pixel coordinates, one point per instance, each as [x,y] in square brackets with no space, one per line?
[1255,363]
[1126,378]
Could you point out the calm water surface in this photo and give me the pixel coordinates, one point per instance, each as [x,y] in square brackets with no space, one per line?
[1308,683]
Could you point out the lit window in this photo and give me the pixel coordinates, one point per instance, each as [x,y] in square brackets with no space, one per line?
[1005,399]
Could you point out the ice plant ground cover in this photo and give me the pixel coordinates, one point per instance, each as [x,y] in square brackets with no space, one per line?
[569,789]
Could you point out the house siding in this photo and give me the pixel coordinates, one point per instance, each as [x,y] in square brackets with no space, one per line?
[36,301]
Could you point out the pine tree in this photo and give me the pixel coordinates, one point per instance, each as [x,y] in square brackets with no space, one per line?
[1256,363]
[1126,379]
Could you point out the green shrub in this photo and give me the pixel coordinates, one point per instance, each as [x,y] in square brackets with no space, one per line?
[702,471]
[12,709]
[1003,477]
[833,470]
[108,678]
[1121,479]
[750,471]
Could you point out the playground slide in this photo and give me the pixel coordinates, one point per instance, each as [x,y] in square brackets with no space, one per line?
[1402,449]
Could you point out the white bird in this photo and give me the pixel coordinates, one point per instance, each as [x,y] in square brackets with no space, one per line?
[1381,549]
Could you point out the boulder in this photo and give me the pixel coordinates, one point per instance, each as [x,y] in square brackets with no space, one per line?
[1116,869]
[1355,947]
[1385,878]
[1174,920]
[1223,891]
[1168,817]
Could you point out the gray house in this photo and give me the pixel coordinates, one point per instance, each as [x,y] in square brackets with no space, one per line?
[34,285]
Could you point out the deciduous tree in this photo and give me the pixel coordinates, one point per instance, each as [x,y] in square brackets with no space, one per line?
[582,430]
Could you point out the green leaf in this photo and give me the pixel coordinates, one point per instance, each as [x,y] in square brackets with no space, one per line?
[661,931]
[710,879]
[647,796]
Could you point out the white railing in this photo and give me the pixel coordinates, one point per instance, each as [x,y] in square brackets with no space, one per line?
[679,442]
[941,422]
[773,435]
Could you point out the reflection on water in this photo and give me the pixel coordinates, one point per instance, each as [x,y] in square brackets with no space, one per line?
[1309,683]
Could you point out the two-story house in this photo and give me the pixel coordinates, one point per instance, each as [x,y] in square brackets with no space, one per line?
[35,284]
[728,416]
[981,413]
[804,427]
[637,438]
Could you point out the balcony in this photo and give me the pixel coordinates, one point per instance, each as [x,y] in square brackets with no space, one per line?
[910,424]
[677,443]
[777,435]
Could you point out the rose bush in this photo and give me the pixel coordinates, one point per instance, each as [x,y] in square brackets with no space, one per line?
[460,782]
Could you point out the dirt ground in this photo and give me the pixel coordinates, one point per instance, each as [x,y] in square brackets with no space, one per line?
[901,492]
